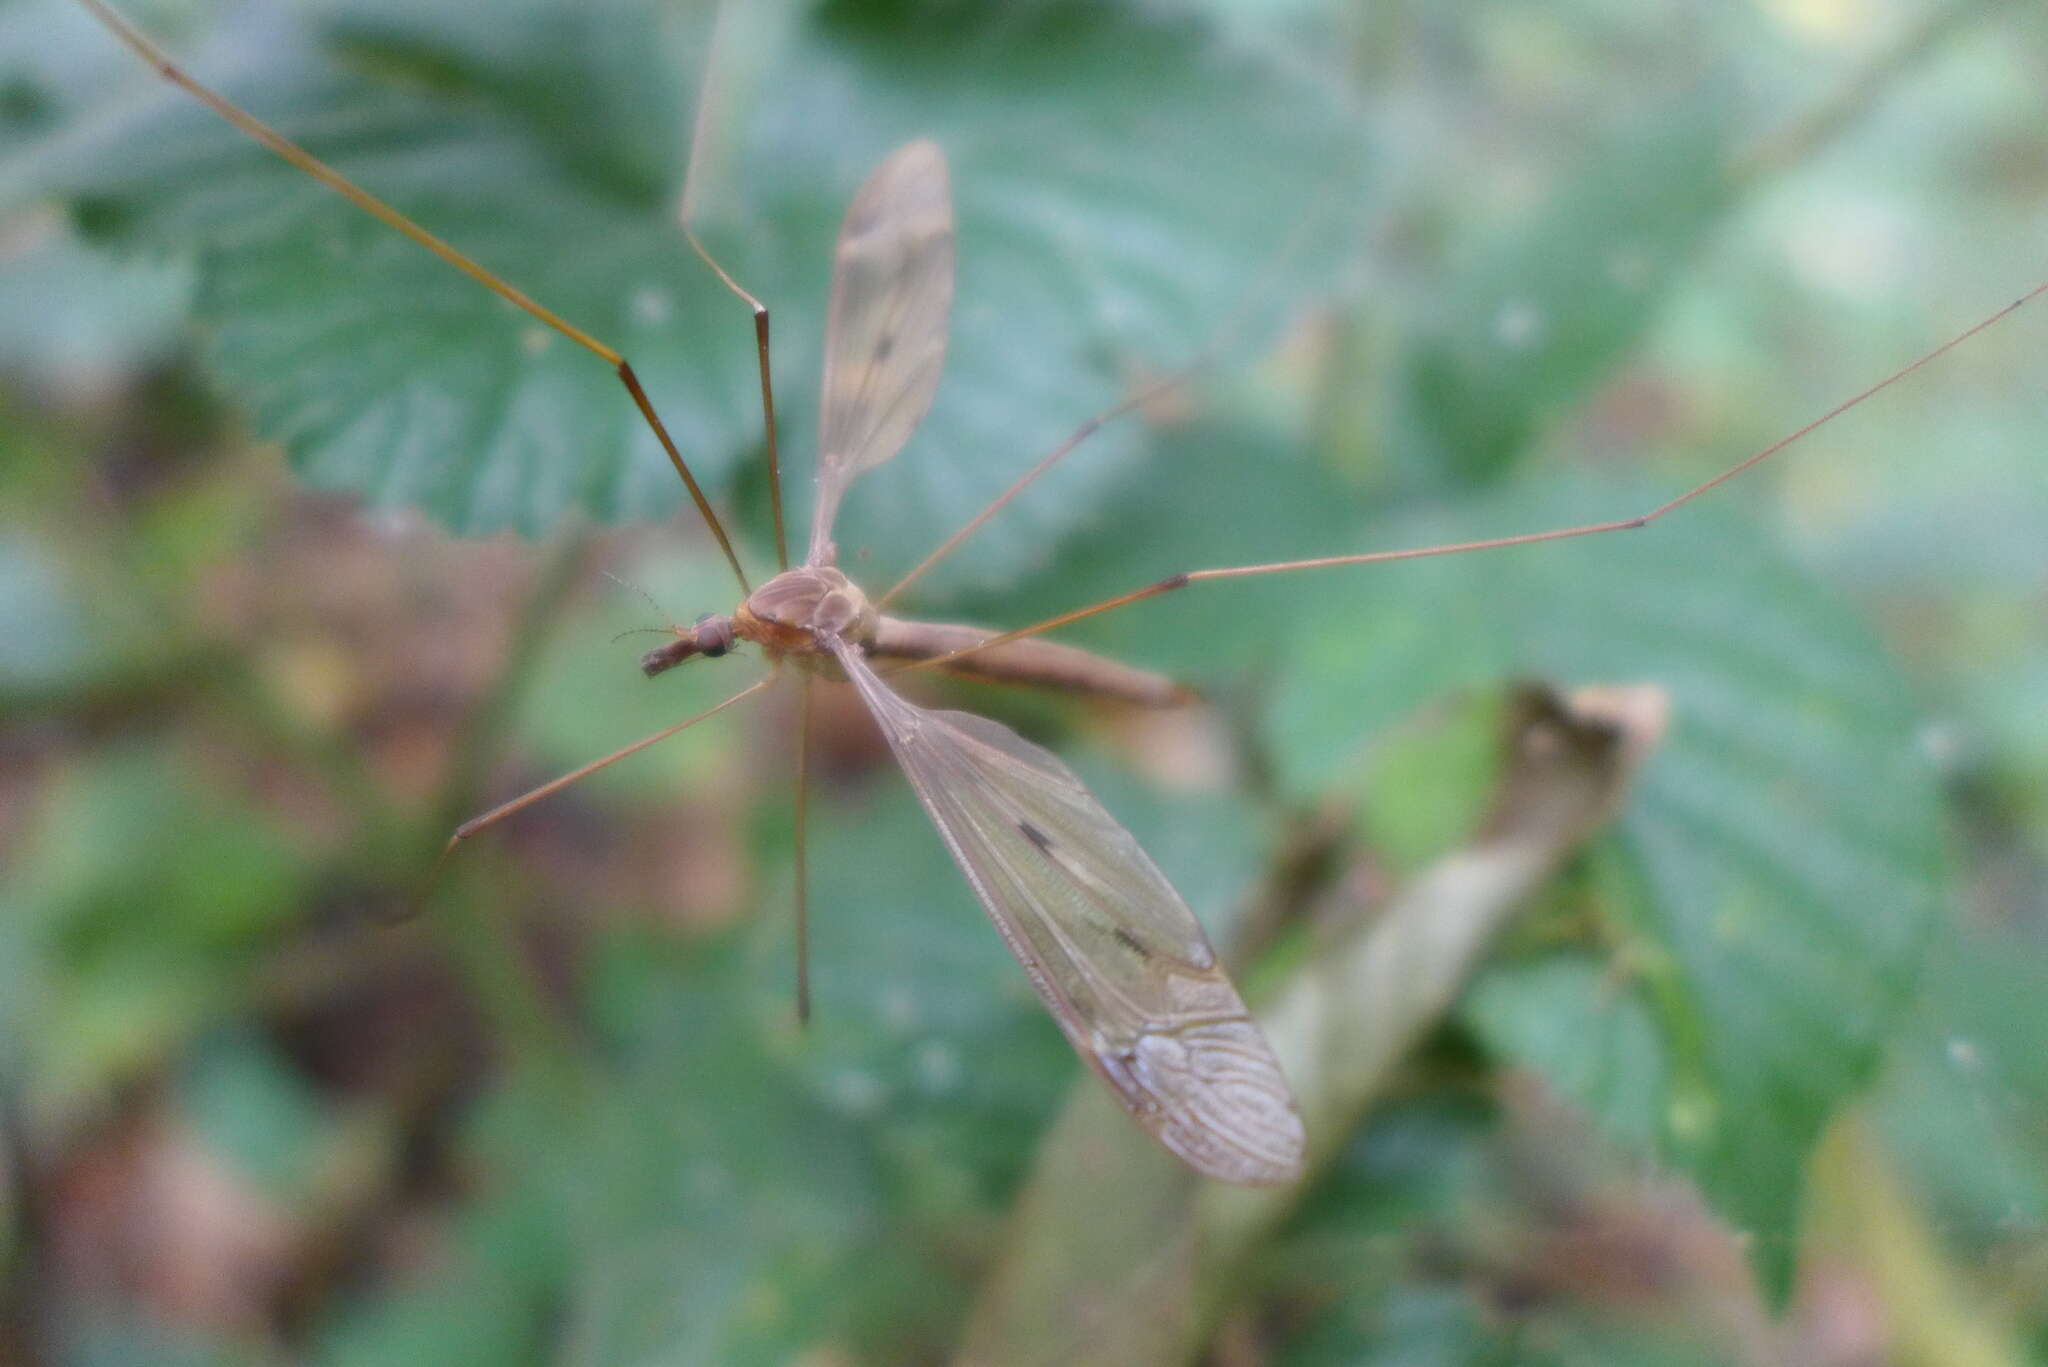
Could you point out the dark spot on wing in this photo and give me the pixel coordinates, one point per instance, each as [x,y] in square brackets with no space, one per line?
[1044,844]
[884,344]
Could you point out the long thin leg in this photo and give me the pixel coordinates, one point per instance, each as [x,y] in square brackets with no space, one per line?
[1166,384]
[305,161]
[553,786]
[803,908]
[767,389]
[1182,580]
[1051,458]
[686,216]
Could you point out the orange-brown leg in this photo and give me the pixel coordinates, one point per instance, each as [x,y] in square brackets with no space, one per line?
[803,910]
[553,786]
[1182,580]
[305,161]
[686,218]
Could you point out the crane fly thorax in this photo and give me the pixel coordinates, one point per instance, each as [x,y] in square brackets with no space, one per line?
[799,611]
[795,614]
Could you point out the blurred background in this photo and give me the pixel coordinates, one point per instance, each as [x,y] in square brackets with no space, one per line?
[310,549]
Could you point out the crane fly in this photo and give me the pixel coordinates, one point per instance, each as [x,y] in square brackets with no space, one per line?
[1114,952]
[1116,955]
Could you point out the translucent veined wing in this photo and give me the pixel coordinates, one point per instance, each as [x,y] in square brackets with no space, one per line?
[1112,949]
[885,336]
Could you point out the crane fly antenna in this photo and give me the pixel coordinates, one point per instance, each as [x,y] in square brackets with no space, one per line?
[140,43]
[1175,582]
[650,599]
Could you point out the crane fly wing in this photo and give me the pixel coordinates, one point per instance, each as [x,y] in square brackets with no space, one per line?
[1114,952]
[885,336]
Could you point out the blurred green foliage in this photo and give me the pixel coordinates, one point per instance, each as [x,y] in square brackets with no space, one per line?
[1469,274]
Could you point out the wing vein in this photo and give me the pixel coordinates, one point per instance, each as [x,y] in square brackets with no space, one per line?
[1073,896]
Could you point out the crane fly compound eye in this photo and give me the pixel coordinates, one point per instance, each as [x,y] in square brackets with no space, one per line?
[714,635]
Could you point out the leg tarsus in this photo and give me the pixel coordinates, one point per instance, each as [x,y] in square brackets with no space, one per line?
[555,785]
[761,328]
[686,218]
[803,911]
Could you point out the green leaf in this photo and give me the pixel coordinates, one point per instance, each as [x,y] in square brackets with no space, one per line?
[143,902]
[1216,493]
[1779,866]
[1430,783]
[71,318]
[714,1210]
[1539,313]
[687,1202]
[1414,1326]
[486,1298]
[1360,1247]
[243,1100]
[925,1029]
[1965,1098]
[106,1335]
[1088,146]
[47,632]
[1591,1037]
[1433,1241]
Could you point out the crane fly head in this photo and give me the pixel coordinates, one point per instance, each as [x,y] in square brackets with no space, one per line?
[711,637]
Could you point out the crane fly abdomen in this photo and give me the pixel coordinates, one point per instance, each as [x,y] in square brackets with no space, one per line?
[1031,662]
